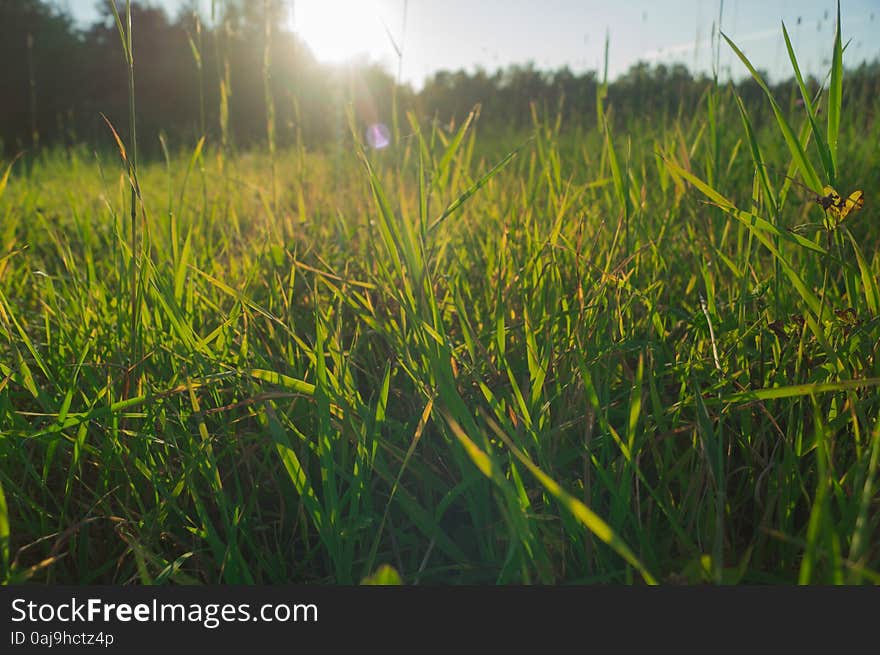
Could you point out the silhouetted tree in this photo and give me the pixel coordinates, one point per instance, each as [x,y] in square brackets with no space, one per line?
[57,79]
[41,72]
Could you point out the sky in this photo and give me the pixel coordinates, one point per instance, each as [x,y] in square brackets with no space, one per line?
[434,35]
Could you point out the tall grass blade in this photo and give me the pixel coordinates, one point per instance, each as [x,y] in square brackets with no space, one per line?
[798,154]
[835,92]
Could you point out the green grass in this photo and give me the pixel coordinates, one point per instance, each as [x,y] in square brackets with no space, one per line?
[606,356]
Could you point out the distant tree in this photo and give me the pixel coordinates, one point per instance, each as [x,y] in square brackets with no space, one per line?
[58,79]
[40,51]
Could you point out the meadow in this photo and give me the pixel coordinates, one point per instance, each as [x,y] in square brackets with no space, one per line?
[593,353]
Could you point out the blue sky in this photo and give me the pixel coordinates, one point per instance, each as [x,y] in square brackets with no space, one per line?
[453,34]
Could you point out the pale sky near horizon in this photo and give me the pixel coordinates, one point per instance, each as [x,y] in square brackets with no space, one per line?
[455,34]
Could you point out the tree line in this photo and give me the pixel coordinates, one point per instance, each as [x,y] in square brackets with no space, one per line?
[217,76]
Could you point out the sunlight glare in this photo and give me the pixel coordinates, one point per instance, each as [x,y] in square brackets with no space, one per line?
[339,30]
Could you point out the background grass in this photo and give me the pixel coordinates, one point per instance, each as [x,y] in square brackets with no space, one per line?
[565,356]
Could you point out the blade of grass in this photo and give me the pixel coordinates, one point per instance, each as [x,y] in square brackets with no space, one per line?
[797,152]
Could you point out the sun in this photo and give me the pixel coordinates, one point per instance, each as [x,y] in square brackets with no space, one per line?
[339,30]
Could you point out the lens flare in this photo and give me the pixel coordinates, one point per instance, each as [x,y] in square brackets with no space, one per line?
[378,136]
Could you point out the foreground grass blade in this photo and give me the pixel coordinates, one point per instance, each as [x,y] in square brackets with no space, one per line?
[835,92]
[811,178]
[4,536]
[581,512]
[824,151]
[759,227]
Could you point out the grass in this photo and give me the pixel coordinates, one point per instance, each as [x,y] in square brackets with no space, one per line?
[627,357]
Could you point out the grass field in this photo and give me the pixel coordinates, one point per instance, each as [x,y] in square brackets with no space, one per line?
[628,356]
